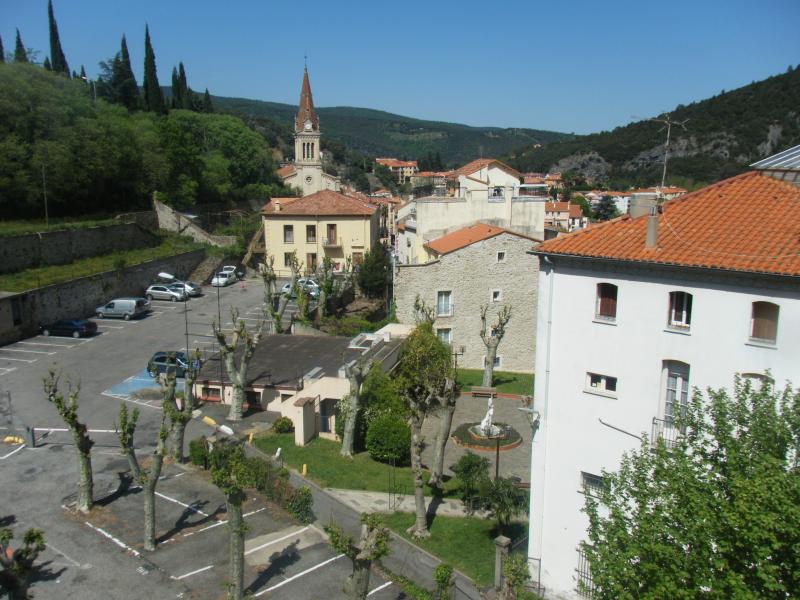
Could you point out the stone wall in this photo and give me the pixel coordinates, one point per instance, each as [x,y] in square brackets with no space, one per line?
[61,247]
[79,298]
[471,274]
[172,220]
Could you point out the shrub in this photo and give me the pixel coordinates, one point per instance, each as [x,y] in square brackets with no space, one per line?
[283,425]
[443,576]
[300,505]
[260,472]
[472,471]
[389,439]
[198,452]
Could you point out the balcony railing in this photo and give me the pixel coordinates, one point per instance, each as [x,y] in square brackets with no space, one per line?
[332,242]
[665,430]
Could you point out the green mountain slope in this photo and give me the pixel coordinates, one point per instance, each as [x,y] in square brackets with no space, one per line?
[379,133]
[723,135]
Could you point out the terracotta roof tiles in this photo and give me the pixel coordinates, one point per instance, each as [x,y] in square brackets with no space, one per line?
[322,203]
[466,236]
[482,163]
[749,223]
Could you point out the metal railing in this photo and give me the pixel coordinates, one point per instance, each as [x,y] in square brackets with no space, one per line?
[665,429]
[333,242]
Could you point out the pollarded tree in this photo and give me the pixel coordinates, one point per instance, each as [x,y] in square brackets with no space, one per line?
[242,346]
[446,409]
[179,416]
[231,474]
[68,409]
[491,340]
[126,429]
[17,565]
[372,545]
[274,300]
[424,376]
[716,514]
[356,373]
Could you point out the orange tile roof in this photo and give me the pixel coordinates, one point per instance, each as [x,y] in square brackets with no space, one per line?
[285,171]
[466,236]
[430,174]
[556,206]
[395,163]
[482,163]
[746,223]
[532,180]
[575,211]
[322,203]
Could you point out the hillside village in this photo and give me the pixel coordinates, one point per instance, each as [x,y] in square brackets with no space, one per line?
[326,373]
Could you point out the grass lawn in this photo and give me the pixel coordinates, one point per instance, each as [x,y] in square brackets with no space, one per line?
[40,276]
[467,543]
[21,227]
[509,383]
[329,469]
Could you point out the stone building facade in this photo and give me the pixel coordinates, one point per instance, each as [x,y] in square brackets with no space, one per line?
[497,271]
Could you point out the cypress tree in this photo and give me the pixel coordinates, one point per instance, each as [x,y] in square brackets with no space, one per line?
[177,101]
[82,76]
[186,94]
[20,54]
[153,98]
[57,59]
[46,64]
[207,106]
[127,90]
[2,52]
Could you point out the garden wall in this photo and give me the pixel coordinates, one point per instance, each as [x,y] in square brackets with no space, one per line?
[60,247]
[172,220]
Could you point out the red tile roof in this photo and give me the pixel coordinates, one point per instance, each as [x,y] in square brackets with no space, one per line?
[481,163]
[285,171]
[556,206]
[322,203]
[466,236]
[575,211]
[395,163]
[746,223]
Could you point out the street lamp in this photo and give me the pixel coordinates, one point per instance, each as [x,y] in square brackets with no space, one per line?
[170,277]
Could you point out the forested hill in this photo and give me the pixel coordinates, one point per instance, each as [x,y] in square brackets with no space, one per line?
[723,135]
[378,133]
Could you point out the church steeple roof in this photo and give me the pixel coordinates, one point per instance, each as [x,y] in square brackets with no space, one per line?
[305,111]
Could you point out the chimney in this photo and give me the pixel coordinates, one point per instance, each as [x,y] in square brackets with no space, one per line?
[277,207]
[651,240]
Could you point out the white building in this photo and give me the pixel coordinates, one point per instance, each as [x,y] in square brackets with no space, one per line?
[633,314]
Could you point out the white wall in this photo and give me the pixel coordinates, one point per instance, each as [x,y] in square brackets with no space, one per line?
[571,438]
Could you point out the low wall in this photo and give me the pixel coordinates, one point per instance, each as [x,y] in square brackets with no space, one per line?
[61,247]
[172,220]
[79,298]
[146,218]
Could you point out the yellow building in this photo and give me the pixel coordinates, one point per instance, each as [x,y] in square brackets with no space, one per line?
[322,224]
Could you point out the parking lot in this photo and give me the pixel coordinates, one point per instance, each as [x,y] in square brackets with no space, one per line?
[101,556]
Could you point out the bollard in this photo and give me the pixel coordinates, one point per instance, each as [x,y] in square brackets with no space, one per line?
[305,470]
[209,421]
[250,438]
[501,544]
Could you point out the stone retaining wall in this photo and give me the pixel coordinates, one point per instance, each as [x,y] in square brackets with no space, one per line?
[172,220]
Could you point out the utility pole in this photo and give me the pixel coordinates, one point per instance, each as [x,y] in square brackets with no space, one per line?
[667,123]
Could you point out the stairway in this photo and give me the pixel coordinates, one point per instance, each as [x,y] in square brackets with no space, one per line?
[203,271]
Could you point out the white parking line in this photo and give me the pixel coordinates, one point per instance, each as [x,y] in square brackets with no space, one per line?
[46,344]
[110,326]
[12,452]
[218,523]
[293,577]
[280,539]
[119,543]
[192,508]
[33,360]
[126,398]
[192,573]
[4,370]
[380,587]
[26,351]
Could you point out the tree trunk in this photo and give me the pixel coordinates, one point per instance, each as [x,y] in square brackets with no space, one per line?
[420,527]
[445,423]
[149,489]
[237,529]
[488,368]
[133,464]
[237,377]
[355,374]
[357,584]
[178,424]
[85,482]
[178,433]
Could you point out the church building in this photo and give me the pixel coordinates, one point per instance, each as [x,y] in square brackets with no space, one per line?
[306,172]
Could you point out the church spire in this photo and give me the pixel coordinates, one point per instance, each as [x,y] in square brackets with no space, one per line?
[305,112]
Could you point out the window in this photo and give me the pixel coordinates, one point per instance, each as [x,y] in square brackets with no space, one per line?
[498,361]
[585,587]
[591,484]
[764,322]
[287,259]
[604,385]
[501,257]
[757,379]
[680,310]
[210,392]
[606,308]
[311,234]
[675,375]
[497,295]
[288,234]
[496,192]
[358,258]
[311,261]
[331,240]
[444,305]
[445,335]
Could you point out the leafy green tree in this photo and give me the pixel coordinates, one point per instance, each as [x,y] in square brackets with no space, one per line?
[374,272]
[505,500]
[153,97]
[20,54]
[606,209]
[57,58]
[17,565]
[716,514]
[586,208]
[516,575]
[371,546]
[472,472]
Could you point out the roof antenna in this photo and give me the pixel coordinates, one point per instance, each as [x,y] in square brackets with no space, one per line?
[667,123]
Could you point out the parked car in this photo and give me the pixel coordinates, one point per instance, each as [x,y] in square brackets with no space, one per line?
[309,285]
[167,362]
[237,271]
[187,287]
[123,308]
[223,278]
[70,327]
[159,291]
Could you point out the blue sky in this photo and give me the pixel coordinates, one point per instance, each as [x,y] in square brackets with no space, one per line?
[579,66]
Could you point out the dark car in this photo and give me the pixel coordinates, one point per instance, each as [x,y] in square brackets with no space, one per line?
[70,327]
[167,362]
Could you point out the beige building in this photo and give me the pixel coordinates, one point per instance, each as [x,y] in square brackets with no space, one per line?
[403,170]
[322,224]
[475,266]
[306,173]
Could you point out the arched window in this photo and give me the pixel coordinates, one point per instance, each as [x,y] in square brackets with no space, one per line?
[764,322]
[606,304]
[680,310]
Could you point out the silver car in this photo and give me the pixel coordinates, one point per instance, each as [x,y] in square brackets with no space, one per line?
[223,278]
[187,287]
[124,308]
[164,292]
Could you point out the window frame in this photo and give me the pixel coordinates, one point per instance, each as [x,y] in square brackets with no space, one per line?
[685,323]
[449,303]
[313,238]
[449,330]
[591,484]
[287,259]
[682,389]
[498,361]
[499,298]
[599,298]
[764,340]
[603,388]
[288,229]
[501,256]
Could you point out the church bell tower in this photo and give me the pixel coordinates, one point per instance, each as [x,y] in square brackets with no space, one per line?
[306,141]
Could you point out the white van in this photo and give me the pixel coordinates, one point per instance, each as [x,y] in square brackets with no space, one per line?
[125,308]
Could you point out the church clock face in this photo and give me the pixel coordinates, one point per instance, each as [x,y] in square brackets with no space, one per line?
[307,125]
[308,179]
